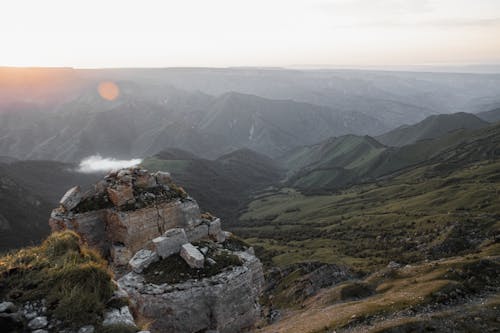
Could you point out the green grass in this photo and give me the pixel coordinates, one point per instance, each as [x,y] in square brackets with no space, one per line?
[156,164]
[404,219]
[73,279]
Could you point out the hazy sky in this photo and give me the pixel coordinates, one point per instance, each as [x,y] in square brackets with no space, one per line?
[147,33]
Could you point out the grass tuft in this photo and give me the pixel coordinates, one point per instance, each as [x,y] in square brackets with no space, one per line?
[74,280]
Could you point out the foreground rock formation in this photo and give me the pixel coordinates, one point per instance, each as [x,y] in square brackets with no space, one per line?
[180,270]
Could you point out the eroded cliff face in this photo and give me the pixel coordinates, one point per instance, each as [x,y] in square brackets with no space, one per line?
[178,268]
[124,212]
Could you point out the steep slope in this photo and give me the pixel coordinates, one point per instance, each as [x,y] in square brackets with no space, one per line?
[457,184]
[23,215]
[28,191]
[331,163]
[430,128]
[274,126]
[492,116]
[442,208]
[222,185]
[327,173]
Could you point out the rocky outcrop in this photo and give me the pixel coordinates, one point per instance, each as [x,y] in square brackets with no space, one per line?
[226,302]
[125,212]
[180,270]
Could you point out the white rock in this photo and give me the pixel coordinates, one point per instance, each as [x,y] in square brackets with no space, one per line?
[7,307]
[40,331]
[118,316]
[86,329]
[163,177]
[197,233]
[38,322]
[215,231]
[170,242]
[71,198]
[215,227]
[142,259]
[192,256]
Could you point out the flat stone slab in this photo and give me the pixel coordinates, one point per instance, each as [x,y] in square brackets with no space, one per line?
[71,198]
[215,231]
[163,177]
[118,317]
[142,259]
[171,242]
[197,233]
[193,257]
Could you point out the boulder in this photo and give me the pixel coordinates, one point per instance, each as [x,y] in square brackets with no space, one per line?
[7,307]
[38,322]
[71,198]
[170,242]
[197,233]
[192,256]
[145,181]
[162,177]
[142,259]
[118,317]
[227,302]
[191,212]
[215,231]
[121,195]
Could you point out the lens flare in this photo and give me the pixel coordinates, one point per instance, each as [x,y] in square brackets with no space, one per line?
[108,90]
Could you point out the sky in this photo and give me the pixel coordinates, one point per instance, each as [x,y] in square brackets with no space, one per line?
[221,33]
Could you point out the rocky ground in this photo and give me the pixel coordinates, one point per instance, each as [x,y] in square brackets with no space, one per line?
[171,263]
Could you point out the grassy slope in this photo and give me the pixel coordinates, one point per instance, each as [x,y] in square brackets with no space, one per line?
[335,161]
[402,294]
[74,280]
[432,127]
[444,205]
[414,215]
[341,162]
[405,219]
[220,186]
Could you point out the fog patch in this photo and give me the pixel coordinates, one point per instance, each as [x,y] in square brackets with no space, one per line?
[97,163]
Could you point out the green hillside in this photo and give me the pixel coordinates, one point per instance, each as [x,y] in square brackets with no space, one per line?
[443,206]
[430,128]
[220,186]
[345,161]
[331,163]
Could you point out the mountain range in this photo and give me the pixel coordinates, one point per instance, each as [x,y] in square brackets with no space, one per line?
[57,114]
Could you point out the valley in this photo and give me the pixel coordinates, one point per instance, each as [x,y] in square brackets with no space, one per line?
[369,197]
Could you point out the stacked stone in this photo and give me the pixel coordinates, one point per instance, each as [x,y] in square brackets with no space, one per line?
[125,211]
[136,218]
[178,240]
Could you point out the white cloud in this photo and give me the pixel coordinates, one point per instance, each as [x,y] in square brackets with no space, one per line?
[97,163]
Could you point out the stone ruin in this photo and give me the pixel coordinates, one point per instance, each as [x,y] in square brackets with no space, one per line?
[179,269]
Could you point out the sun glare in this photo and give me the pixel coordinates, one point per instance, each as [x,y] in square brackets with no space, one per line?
[108,90]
